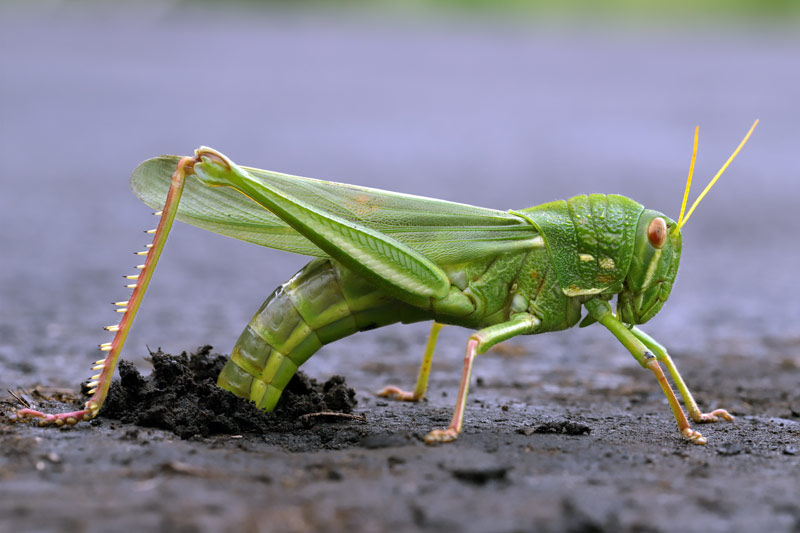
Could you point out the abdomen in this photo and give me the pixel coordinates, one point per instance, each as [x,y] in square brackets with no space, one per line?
[322,303]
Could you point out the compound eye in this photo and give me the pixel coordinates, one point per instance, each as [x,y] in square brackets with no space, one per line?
[657,232]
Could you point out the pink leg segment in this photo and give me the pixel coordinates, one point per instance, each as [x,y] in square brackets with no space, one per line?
[451,433]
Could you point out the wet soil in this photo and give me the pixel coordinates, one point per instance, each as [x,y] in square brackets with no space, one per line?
[171,450]
[181,396]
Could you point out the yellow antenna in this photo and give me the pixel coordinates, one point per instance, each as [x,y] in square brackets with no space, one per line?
[689,179]
[682,221]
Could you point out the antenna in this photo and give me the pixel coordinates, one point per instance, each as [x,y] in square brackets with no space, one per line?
[682,221]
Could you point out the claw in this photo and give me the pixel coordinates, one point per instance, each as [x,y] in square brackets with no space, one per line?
[713,416]
[398,394]
[438,436]
[694,436]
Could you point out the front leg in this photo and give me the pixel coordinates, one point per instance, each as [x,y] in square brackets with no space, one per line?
[688,400]
[478,343]
[601,311]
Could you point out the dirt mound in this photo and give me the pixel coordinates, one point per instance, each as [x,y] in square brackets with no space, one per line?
[181,396]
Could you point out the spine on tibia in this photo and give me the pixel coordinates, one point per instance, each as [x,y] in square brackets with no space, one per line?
[322,303]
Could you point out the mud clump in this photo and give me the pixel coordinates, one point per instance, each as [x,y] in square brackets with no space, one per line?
[563,427]
[181,396]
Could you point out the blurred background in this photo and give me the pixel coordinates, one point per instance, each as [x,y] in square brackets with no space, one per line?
[503,104]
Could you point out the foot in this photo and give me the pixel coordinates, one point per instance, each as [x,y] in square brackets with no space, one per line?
[694,436]
[713,416]
[70,419]
[396,393]
[441,435]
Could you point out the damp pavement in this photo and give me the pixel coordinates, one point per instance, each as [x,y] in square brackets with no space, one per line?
[563,431]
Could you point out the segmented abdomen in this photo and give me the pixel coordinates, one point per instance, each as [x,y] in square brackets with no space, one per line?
[322,303]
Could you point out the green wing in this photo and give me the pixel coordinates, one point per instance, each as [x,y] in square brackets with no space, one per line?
[445,232]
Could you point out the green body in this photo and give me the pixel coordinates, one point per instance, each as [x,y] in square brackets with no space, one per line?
[387,258]
[325,302]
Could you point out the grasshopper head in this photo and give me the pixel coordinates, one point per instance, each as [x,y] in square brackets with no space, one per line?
[657,252]
[656,256]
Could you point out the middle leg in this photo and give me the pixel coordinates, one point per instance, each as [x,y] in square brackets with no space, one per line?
[478,343]
[422,377]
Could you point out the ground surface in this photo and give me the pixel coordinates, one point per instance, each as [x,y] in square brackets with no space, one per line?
[439,108]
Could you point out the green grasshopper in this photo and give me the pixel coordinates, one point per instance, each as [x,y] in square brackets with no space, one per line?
[384,257]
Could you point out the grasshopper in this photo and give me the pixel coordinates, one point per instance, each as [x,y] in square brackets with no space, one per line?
[383,257]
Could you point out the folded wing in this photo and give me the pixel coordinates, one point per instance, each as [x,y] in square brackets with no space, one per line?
[445,232]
